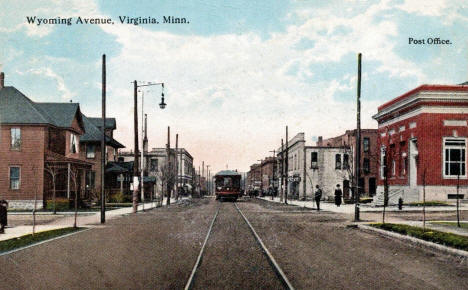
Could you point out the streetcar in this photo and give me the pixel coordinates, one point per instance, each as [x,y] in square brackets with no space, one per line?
[228,184]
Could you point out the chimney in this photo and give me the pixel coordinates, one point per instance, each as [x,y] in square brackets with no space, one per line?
[2,80]
[320,140]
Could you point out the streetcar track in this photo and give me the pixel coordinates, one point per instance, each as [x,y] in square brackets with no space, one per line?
[278,271]
[276,268]
[200,255]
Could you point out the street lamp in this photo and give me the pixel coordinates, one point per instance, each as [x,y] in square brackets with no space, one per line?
[162,105]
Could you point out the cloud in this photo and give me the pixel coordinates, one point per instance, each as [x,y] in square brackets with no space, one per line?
[47,72]
[232,94]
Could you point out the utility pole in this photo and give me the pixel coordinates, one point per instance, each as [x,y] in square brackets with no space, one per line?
[282,171]
[203,174]
[199,181]
[176,167]
[135,161]
[207,181]
[168,166]
[304,172]
[273,173]
[287,169]
[142,165]
[103,142]
[357,162]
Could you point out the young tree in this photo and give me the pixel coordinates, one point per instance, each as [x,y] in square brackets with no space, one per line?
[74,176]
[424,199]
[33,169]
[53,170]
[458,200]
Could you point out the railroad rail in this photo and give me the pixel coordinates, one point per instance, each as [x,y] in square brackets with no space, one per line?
[277,269]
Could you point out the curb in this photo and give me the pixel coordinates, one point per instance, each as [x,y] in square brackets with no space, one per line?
[419,242]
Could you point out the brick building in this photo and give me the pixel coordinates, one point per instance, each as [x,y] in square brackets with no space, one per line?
[254,179]
[36,138]
[422,140]
[90,150]
[369,156]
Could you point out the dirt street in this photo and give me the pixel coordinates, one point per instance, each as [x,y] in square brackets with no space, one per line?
[318,251]
[157,250]
[233,259]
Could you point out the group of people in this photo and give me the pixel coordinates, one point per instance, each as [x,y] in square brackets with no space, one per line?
[318,195]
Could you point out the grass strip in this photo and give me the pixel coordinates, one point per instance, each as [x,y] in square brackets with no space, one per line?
[442,238]
[26,240]
[463,225]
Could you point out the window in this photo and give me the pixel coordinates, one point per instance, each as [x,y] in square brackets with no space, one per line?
[314,160]
[338,161]
[15,138]
[366,144]
[382,162]
[393,168]
[90,151]
[90,179]
[454,157]
[14,177]
[366,165]
[403,165]
[154,165]
[73,147]
[345,161]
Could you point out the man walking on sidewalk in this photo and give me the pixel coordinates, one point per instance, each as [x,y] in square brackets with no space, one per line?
[318,196]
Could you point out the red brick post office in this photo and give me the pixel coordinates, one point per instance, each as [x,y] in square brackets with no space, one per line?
[422,141]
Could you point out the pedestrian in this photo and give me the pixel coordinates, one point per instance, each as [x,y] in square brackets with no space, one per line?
[3,216]
[338,195]
[318,196]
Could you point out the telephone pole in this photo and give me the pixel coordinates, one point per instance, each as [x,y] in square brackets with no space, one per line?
[357,162]
[176,167]
[168,166]
[135,161]
[103,142]
[287,167]
[282,171]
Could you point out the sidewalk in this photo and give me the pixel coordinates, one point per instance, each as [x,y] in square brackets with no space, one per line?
[349,208]
[83,220]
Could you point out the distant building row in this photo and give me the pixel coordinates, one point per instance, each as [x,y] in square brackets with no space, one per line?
[419,148]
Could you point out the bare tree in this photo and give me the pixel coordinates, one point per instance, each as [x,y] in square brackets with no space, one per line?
[33,169]
[74,175]
[458,200]
[167,176]
[53,170]
[424,199]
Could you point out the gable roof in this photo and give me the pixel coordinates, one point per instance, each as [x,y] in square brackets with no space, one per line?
[94,134]
[16,108]
[110,123]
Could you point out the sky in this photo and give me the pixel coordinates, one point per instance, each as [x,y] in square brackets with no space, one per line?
[239,71]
